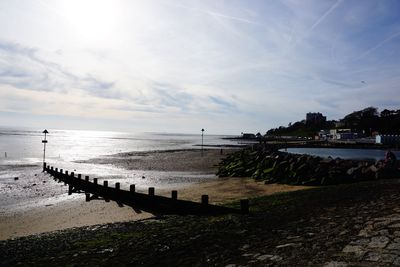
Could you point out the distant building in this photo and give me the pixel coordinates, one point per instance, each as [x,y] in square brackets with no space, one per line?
[342,134]
[387,139]
[315,118]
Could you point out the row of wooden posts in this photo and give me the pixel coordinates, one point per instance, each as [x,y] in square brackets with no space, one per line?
[139,201]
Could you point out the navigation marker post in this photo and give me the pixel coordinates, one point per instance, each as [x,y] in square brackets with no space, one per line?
[44,149]
[202,134]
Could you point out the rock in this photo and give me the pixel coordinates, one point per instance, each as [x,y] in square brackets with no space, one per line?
[373,256]
[357,250]
[16,178]
[264,257]
[394,246]
[287,245]
[378,242]
[336,264]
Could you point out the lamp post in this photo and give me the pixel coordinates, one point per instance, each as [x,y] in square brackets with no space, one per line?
[202,134]
[44,147]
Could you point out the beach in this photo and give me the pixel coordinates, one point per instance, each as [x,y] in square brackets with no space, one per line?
[35,203]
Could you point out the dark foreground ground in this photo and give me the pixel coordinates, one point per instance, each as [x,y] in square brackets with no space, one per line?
[345,225]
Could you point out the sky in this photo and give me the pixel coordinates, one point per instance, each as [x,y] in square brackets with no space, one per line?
[180,66]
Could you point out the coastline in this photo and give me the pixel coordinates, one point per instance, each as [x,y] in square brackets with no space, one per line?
[51,209]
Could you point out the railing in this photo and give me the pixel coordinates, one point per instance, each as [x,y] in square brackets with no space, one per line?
[139,201]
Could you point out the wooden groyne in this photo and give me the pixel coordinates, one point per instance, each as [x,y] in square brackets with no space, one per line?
[138,201]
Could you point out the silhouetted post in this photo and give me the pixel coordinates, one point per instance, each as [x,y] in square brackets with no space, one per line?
[87,178]
[204,199]
[79,176]
[151,191]
[87,197]
[174,194]
[56,169]
[44,166]
[132,188]
[202,135]
[105,184]
[244,206]
[117,186]
[95,181]
[44,146]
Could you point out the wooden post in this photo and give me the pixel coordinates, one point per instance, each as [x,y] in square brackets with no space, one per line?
[44,166]
[94,180]
[87,197]
[151,191]
[105,184]
[79,176]
[72,174]
[70,189]
[56,169]
[51,168]
[87,178]
[61,171]
[132,188]
[244,206]
[117,186]
[174,194]
[204,199]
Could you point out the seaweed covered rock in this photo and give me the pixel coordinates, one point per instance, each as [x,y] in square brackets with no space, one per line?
[274,166]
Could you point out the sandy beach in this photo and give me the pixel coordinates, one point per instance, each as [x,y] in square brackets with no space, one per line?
[35,203]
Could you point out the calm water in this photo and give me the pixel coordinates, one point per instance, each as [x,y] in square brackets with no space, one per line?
[24,146]
[374,154]
[65,147]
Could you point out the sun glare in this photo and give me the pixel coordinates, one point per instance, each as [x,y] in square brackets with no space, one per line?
[92,20]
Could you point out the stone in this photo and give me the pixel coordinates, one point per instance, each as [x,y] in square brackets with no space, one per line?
[335,264]
[361,241]
[373,256]
[288,245]
[264,257]
[245,247]
[394,246]
[356,249]
[276,258]
[378,242]
[388,258]
[396,261]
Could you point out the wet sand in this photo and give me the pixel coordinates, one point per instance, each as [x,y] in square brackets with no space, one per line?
[49,208]
[186,160]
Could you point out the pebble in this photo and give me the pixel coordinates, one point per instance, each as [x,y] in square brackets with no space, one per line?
[288,245]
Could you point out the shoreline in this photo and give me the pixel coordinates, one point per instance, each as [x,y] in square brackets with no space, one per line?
[75,212]
[49,208]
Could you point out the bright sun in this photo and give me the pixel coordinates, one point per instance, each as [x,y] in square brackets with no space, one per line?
[92,20]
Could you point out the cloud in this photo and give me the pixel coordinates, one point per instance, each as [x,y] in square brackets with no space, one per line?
[22,68]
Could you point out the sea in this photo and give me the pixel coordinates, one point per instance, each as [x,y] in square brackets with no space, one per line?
[22,149]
